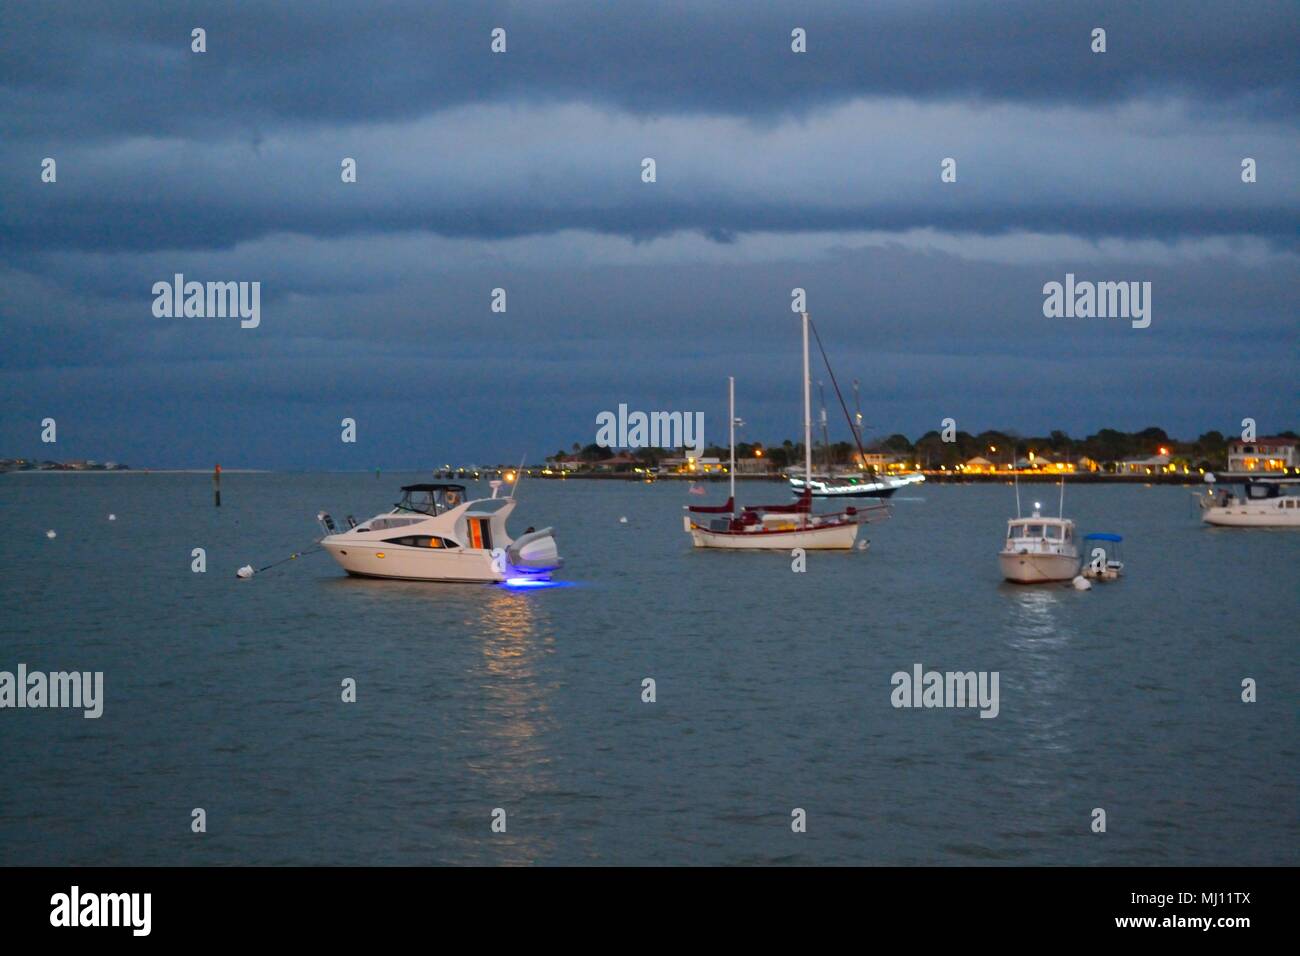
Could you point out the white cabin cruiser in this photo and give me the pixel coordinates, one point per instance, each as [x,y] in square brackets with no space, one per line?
[435,534]
[1039,549]
[1262,505]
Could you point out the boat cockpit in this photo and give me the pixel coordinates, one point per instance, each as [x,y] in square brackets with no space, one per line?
[1055,530]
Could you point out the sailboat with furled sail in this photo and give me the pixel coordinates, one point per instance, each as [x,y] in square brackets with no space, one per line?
[775,527]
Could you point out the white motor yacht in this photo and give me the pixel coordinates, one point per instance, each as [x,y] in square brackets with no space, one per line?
[435,534]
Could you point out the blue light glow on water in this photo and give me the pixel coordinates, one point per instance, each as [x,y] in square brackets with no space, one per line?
[532,584]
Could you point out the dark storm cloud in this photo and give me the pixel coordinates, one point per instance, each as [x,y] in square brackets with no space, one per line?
[931,335]
[162,148]
[108,69]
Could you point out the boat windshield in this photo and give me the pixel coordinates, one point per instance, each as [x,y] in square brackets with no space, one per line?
[1054,532]
[431,499]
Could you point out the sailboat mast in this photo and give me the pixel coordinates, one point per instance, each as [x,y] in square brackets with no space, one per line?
[807,417]
[1016,476]
[731,424]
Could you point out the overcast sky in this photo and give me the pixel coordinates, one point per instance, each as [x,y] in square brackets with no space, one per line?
[523,171]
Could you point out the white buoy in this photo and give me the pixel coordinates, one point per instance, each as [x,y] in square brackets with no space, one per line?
[112,517]
[623,520]
[245,572]
[51,534]
[862,545]
[1081,583]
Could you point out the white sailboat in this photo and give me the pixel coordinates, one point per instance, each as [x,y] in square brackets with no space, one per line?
[773,527]
[1262,504]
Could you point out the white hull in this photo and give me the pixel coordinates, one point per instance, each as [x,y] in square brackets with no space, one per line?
[838,537]
[1253,516]
[414,564]
[1032,568]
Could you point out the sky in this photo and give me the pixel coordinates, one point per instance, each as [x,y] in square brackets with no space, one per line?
[523,171]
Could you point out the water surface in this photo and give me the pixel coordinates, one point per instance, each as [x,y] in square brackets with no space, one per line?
[773,687]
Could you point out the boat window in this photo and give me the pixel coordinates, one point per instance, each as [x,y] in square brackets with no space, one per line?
[1017,531]
[1054,532]
[1035,531]
[422,541]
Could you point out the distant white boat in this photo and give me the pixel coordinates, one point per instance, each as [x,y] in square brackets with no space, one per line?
[1261,505]
[854,486]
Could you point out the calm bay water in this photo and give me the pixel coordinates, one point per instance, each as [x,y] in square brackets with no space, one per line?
[773,687]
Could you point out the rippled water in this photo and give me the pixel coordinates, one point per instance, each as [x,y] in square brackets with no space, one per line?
[773,687]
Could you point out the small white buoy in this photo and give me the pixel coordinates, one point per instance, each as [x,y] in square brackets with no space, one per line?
[623,520]
[112,517]
[51,534]
[1081,583]
[862,545]
[245,572]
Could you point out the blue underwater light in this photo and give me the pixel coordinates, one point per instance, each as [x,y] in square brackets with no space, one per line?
[523,583]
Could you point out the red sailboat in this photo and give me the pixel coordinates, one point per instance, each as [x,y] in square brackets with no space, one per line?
[775,527]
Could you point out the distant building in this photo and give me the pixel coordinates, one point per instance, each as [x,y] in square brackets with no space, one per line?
[692,466]
[979,463]
[1264,454]
[752,466]
[1151,465]
[567,463]
[878,460]
[620,462]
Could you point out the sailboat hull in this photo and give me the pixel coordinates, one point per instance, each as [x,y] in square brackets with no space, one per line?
[839,537]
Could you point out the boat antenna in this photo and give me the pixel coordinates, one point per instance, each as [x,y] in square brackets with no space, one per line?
[807,421]
[857,409]
[856,438]
[519,476]
[731,440]
[1015,477]
[826,435]
[1060,509]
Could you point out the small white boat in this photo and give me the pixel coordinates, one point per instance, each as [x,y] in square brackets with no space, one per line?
[434,534]
[1039,549]
[1103,563]
[1262,505]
